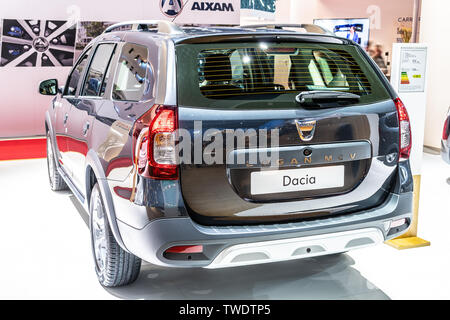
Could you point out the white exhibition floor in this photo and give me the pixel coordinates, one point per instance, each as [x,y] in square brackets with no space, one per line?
[45,254]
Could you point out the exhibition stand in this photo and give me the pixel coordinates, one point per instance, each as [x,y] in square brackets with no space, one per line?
[77,24]
[409,79]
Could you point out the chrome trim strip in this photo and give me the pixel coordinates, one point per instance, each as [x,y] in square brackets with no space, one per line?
[339,152]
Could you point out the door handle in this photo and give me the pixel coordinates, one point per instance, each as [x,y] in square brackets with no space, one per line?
[86,128]
[66,116]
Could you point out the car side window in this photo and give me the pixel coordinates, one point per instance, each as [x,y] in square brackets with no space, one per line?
[96,79]
[132,69]
[77,71]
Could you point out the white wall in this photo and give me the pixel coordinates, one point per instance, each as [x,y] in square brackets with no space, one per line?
[383,14]
[22,109]
[435,30]
[298,11]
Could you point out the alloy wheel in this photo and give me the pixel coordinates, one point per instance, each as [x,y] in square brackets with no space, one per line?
[99,233]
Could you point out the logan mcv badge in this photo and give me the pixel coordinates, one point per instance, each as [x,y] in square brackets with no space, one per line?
[306,129]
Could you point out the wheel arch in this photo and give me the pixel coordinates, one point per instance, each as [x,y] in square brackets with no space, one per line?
[48,123]
[94,173]
[91,179]
[50,132]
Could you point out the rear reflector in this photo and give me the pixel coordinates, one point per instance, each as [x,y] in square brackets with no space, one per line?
[185,249]
[398,223]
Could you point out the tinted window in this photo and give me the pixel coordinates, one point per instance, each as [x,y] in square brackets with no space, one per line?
[72,81]
[255,73]
[96,81]
[132,70]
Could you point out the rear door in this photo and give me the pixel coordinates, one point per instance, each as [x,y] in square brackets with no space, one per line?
[62,117]
[325,158]
[84,107]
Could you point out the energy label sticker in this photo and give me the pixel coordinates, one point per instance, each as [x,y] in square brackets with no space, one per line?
[412,69]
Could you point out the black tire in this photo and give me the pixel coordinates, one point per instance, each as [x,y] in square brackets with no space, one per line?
[57,183]
[117,267]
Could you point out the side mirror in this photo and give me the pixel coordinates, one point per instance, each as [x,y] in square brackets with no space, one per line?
[48,87]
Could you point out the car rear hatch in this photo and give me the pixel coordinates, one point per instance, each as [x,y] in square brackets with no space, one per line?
[331,150]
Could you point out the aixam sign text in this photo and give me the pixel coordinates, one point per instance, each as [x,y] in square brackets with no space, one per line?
[209,12]
[212,6]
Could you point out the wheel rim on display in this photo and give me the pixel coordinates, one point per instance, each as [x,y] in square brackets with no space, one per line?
[98,234]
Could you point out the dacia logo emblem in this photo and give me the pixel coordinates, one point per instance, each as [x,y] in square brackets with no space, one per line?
[171,8]
[306,129]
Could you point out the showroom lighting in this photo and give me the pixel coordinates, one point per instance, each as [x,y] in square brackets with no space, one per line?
[263,46]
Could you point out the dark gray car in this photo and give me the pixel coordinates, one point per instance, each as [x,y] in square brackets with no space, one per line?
[220,147]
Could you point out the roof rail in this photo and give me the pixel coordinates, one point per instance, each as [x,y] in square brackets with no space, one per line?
[310,28]
[162,26]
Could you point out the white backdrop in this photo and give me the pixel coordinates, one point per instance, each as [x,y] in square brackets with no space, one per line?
[415,102]
[22,109]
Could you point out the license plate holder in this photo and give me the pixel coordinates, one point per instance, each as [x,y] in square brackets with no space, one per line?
[295,180]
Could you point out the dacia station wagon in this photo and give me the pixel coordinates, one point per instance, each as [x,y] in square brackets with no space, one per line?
[293,145]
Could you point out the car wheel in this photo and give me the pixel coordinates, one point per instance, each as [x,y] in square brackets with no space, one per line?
[57,183]
[114,266]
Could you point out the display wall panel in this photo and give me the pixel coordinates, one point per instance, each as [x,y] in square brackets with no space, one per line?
[37,43]
[25,61]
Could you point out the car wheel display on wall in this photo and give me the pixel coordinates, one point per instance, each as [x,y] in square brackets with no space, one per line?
[37,43]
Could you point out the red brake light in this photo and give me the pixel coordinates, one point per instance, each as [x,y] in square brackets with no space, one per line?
[154,143]
[446,131]
[164,121]
[405,129]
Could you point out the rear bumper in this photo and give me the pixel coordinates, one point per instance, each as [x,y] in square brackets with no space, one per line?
[295,248]
[445,152]
[238,245]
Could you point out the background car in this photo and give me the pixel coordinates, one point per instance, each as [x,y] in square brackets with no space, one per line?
[445,142]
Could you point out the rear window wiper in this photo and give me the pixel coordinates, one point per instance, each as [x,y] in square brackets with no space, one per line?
[325,99]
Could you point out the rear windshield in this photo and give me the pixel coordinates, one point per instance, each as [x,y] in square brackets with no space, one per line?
[260,74]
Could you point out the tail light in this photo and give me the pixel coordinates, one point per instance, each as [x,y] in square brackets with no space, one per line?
[154,143]
[446,131]
[405,129]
